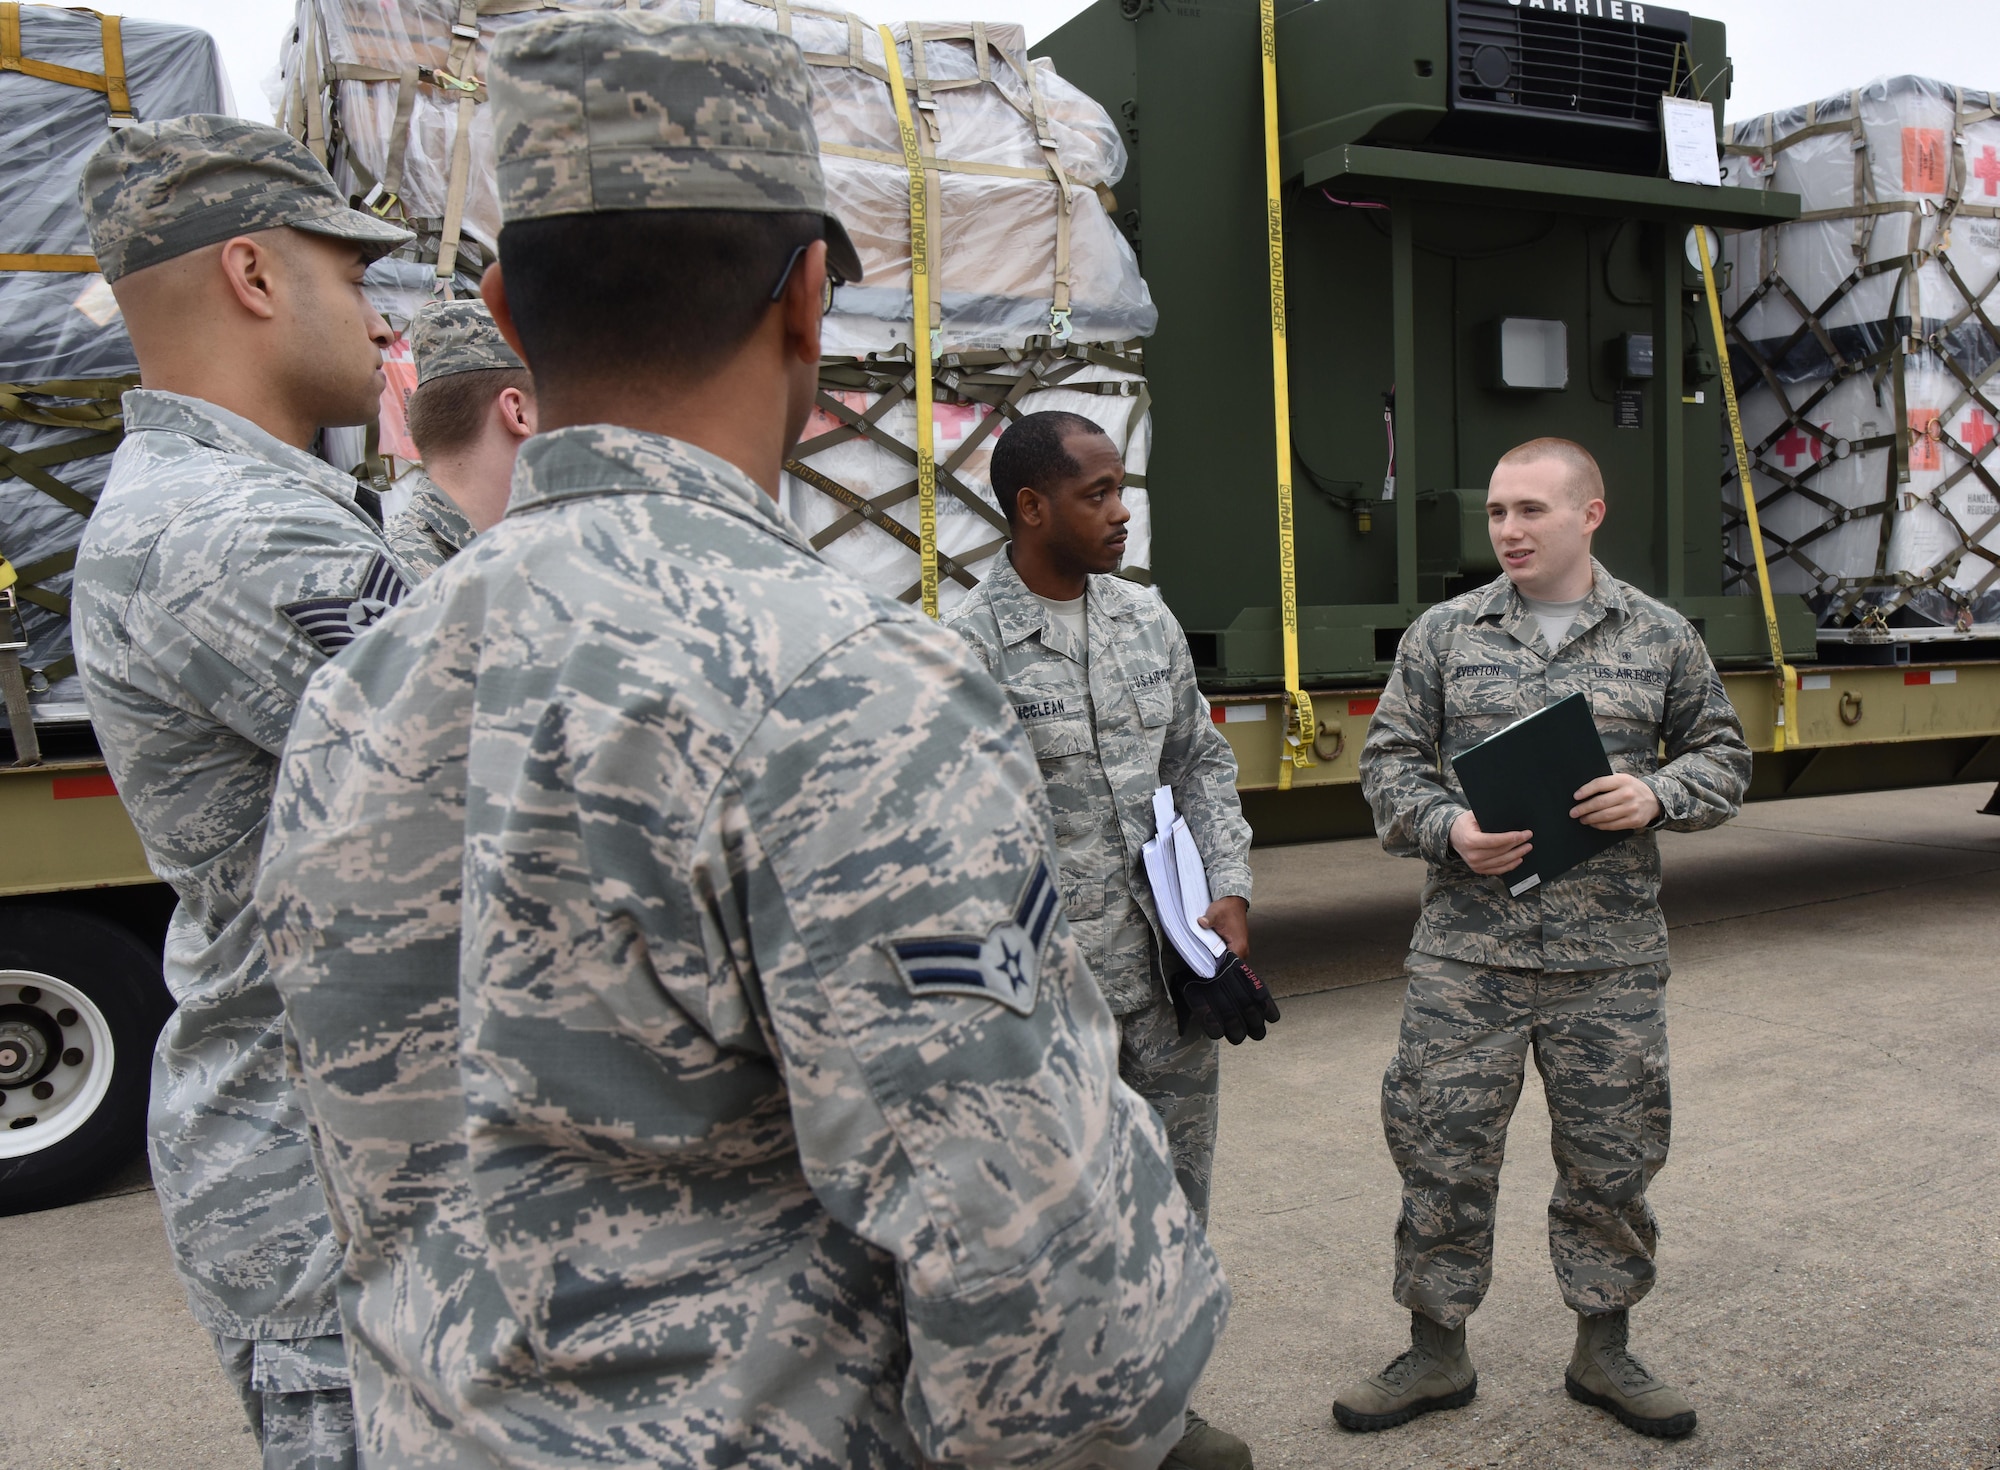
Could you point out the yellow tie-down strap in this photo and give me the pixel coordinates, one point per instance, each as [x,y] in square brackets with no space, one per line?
[110,81]
[1785,717]
[921,340]
[1299,728]
[60,264]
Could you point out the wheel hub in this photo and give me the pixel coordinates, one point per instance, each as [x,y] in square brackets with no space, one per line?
[29,1045]
[56,1060]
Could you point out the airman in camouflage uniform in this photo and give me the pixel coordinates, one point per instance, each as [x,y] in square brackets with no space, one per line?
[1112,717]
[447,338]
[1110,724]
[221,568]
[1573,969]
[430,530]
[773,1117]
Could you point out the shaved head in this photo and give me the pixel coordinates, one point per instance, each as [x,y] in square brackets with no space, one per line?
[1581,476]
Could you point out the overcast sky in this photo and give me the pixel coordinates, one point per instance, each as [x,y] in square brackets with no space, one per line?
[1786,51]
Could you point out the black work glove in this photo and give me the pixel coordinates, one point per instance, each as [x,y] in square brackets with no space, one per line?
[1234,1004]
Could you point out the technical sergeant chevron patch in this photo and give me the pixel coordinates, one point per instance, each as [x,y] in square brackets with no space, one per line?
[334,622]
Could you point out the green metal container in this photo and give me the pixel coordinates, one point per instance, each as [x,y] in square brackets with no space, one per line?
[1481,247]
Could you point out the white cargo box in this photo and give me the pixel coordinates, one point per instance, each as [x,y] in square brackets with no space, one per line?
[1027,265]
[1863,343]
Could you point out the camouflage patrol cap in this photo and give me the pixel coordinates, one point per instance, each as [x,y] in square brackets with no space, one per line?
[615,111]
[450,337]
[158,190]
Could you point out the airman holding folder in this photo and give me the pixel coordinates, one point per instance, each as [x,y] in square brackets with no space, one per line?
[1574,968]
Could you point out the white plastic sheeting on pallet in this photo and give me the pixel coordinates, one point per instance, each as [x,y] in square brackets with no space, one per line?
[63,327]
[1865,351]
[1019,166]
[344,84]
[1094,383]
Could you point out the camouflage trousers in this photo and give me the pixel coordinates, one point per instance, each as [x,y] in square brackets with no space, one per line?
[1181,1079]
[1599,1039]
[296,1396]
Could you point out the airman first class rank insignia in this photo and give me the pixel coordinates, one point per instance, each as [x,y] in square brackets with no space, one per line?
[334,622]
[1003,965]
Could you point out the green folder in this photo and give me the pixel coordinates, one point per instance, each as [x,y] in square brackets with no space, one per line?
[1525,779]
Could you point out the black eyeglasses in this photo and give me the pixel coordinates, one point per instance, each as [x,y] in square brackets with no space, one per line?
[826,288]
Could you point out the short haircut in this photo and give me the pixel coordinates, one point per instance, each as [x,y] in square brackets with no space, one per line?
[446,414]
[1032,453]
[1580,471]
[667,293]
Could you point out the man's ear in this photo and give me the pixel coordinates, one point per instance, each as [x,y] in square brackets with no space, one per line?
[1029,508]
[250,269]
[517,412]
[1593,515]
[493,291]
[800,304]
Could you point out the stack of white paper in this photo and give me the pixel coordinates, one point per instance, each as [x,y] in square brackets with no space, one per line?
[1180,886]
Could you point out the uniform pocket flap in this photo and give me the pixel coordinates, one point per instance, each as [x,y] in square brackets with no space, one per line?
[1632,929]
[1054,738]
[301,1365]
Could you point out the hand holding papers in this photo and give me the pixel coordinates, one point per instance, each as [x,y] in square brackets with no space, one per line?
[1223,996]
[1180,886]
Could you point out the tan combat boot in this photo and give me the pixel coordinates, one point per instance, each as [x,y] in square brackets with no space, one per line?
[1204,1447]
[1436,1373]
[1606,1376]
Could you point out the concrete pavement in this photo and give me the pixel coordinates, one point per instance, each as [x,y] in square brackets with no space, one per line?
[1830,1260]
[1831,1255]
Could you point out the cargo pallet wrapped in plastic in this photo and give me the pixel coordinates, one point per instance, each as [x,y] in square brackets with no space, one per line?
[1865,346]
[66,76]
[1036,300]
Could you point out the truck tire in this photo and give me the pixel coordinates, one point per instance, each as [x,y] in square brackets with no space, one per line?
[81,1005]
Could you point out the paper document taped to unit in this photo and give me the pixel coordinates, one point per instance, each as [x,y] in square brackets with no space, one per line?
[1690,130]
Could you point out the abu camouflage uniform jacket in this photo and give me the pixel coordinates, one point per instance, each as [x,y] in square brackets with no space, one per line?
[773,1118]
[1110,725]
[220,569]
[1471,666]
[430,530]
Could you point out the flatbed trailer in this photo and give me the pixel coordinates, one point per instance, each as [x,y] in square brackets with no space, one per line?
[1858,727]
[1332,382]
[82,923]
[1419,214]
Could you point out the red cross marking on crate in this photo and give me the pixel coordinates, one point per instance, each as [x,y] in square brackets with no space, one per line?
[1795,444]
[1977,432]
[1987,168]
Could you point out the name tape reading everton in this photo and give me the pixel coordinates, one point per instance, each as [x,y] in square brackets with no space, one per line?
[1004,965]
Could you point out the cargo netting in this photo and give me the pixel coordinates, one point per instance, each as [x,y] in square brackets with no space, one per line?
[66,77]
[1037,299]
[1864,343]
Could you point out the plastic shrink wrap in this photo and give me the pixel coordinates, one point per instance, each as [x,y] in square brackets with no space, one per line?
[64,355]
[1026,266]
[1864,347]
